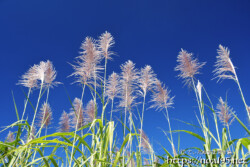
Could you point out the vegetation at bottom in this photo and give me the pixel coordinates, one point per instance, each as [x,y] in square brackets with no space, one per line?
[87,135]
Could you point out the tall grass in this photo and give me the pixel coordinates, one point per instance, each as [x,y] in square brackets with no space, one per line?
[85,137]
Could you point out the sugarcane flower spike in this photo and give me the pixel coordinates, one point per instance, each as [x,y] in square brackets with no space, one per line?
[50,75]
[87,66]
[10,137]
[161,98]
[224,66]
[64,124]
[45,116]
[28,79]
[147,79]
[106,41]
[77,113]
[224,112]
[90,112]
[113,86]
[188,66]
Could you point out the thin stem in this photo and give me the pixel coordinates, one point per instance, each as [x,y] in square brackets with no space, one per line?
[77,114]
[207,141]
[37,104]
[125,119]
[242,96]
[143,106]
[44,119]
[172,142]
[104,79]
[130,128]
[200,109]
[229,134]
[112,105]
[26,102]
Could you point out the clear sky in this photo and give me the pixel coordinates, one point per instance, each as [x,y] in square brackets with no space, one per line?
[146,32]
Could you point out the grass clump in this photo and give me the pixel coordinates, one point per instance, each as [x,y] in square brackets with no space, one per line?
[85,137]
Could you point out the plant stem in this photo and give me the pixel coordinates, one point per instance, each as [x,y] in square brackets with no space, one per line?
[26,102]
[242,96]
[112,105]
[143,106]
[172,142]
[77,114]
[37,104]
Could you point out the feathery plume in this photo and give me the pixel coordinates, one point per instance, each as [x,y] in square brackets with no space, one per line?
[44,71]
[28,80]
[106,41]
[161,97]
[188,66]
[146,162]
[113,86]
[50,75]
[147,79]
[224,66]
[88,68]
[90,112]
[31,134]
[64,124]
[77,114]
[129,76]
[131,162]
[45,115]
[145,144]
[224,112]
[10,137]
[40,71]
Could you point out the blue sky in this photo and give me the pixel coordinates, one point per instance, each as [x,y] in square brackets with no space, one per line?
[146,32]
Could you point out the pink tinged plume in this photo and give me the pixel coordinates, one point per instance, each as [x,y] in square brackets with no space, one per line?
[147,79]
[64,124]
[188,66]
[90,112]
[87,66]
[161,98]
[43,72]
[10,137]
[224,112]
[50,75]
[129,78]
[224,66]
[106,41]
[31,135]
[77,114]
[113,86]
[45,116]
[28,80]
[145,144]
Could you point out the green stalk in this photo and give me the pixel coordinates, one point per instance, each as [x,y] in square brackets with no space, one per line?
[26,102]
[242,96]
[112,105]
[215,117]
[202,119]
[130,128]
[44,119]
[229,134]
[125,119]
